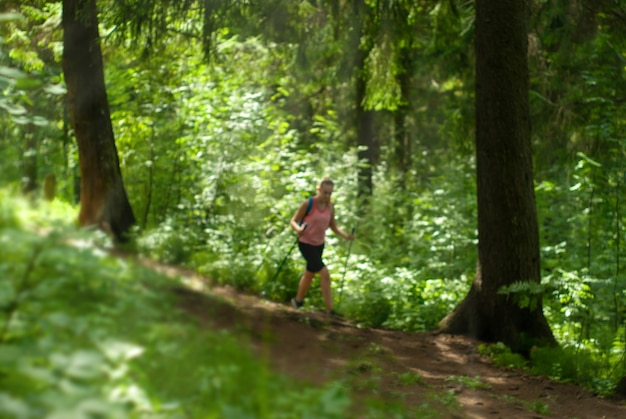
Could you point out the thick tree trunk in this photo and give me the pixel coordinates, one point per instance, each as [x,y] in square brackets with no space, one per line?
[508,248]
[103,199]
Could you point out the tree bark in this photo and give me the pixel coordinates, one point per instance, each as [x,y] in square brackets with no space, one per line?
[402,140]
[364,120]
[30,165]
[103,199]
[365,139]
[508,248]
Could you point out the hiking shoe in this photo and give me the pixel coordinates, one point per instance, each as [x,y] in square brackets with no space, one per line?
[296,304]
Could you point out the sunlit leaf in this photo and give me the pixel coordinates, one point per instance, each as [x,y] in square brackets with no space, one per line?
[120,351]
[12,108]
[27,83]
[55,89]
[11,73]
[7,17]
[80,364]
[40,121]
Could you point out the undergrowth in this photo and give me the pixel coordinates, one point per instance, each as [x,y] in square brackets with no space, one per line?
[84,334]
[582,366]
[413,262]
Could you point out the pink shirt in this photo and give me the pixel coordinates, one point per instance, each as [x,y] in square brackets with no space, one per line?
[318,221]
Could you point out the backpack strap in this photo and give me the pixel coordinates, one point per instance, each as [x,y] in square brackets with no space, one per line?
[308,209]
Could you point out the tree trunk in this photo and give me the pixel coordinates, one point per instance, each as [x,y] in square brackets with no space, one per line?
[368,152]
[30,166]
[365,139]
[508,248]
[103,199]
[150,185]
[402,140]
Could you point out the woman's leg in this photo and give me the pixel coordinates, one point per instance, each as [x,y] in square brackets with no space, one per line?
[325,285]
[305,283]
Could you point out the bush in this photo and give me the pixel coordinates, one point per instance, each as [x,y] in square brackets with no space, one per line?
[578,365]
[502,356]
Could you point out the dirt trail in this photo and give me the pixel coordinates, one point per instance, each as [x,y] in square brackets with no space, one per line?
[446,372]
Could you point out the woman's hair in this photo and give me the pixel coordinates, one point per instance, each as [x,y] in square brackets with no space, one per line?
[327,181]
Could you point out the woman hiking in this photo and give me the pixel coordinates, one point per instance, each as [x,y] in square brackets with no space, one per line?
[310,226]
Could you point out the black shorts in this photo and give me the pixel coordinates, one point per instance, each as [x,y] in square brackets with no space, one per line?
[313,256]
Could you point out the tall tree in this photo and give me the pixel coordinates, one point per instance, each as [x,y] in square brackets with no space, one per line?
[508,247]
[103,199]
[364,117]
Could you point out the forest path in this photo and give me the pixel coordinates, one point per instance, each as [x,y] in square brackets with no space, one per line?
[445,372]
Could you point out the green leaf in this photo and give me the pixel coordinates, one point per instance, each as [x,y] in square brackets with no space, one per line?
[80,365]
[40,121]
[27,83]
[7,17]
[121,351]
[12,108]
[11,73]
[55,89]
[21,120]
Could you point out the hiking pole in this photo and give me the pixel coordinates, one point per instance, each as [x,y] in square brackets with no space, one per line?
[308,210]
[288,253]
[345,267]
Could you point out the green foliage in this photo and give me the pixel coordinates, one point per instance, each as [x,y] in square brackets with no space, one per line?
[9,217]
[474,383]
[32,144]
[539,407]
[409,378]
[432,222]
[502,356]
[216,156]
[84,334]
[447,399]
[536,406]
[169,243]
[582,365]
[366,299]
[19,212]
[400,300]
[383,89]
[526,294]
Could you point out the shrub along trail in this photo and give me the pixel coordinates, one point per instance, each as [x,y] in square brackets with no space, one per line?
[439,375]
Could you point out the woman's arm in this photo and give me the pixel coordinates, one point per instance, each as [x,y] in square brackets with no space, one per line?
[297,217]
[335,228]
